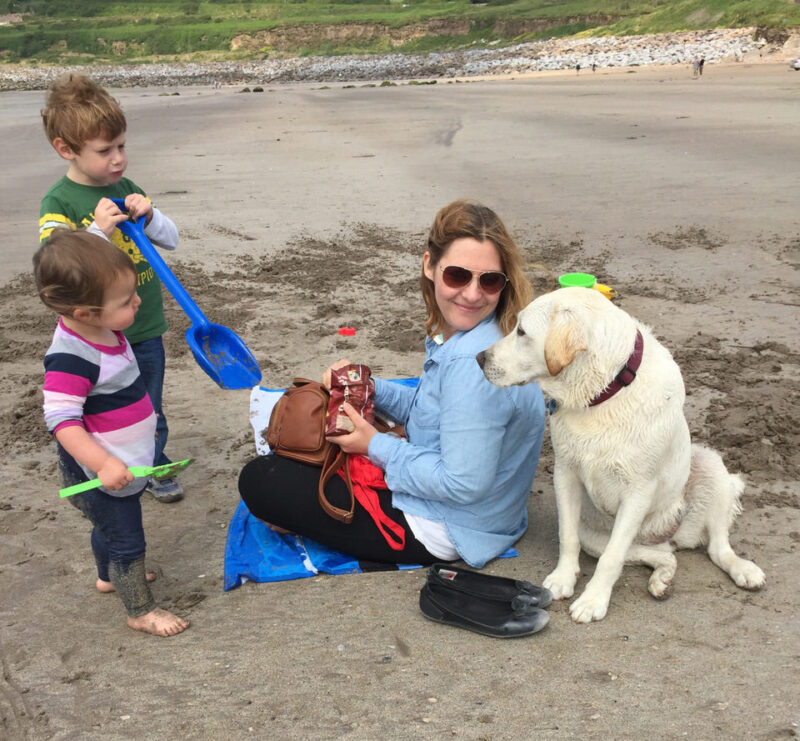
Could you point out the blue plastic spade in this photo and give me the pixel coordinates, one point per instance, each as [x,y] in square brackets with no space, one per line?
[219,351]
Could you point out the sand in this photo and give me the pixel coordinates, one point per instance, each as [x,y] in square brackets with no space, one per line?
[302,209]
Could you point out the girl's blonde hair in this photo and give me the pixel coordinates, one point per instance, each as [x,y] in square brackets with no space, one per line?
[74,268]
[465,218]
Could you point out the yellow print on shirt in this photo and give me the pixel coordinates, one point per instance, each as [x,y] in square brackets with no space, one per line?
[145,277]
[51,221]
[125,243]
[128,246]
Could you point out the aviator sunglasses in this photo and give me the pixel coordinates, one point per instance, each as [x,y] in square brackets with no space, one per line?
[490,281]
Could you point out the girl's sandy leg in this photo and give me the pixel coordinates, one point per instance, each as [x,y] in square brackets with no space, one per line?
[107,587]
[130,583]
[159,622]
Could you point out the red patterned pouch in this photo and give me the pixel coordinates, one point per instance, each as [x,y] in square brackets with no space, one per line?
[351,384]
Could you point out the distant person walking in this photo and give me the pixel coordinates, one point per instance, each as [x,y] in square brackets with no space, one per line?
[700,65]
[594,67]
[696,67]
[577,69]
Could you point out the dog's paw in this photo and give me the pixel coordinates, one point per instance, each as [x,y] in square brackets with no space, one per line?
[747,575]
[660,582]
[561,583]
[589,607]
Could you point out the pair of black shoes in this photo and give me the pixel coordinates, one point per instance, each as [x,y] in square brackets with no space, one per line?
[492,605]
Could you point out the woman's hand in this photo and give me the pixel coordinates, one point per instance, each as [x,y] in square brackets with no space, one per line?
[326,376]
[356,442]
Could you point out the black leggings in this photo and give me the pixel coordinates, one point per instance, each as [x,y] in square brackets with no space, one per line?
[283,492]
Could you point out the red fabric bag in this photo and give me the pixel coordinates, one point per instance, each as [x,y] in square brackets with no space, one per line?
[365,478]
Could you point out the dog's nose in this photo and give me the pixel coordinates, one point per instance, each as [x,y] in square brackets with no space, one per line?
[481,358]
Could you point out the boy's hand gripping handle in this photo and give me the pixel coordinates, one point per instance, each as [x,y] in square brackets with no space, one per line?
[134,229]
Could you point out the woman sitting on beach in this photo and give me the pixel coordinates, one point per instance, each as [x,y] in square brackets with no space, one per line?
[459,484]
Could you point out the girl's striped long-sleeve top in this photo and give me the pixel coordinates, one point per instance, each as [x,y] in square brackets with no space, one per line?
[100,388]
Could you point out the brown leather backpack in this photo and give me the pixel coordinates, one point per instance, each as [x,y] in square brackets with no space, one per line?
[297,431]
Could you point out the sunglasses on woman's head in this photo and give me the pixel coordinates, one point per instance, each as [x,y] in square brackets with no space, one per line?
[490,281]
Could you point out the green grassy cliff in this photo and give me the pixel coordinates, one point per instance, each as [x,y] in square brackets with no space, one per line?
[86,31]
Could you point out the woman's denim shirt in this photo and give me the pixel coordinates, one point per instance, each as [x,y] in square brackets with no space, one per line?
[472,447]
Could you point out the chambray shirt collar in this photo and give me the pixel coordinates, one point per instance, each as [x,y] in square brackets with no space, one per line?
[436,352]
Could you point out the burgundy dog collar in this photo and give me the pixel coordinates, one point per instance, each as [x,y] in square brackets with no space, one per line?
[626,376]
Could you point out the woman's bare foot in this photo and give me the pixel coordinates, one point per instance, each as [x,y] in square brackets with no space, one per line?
[159,622]
[107,587]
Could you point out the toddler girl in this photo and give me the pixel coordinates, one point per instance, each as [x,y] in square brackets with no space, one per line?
[97,407]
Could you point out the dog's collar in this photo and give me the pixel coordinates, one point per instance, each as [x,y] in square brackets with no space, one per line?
[626,376]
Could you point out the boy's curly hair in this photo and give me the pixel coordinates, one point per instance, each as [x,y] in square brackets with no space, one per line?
[74,268]
[78,109]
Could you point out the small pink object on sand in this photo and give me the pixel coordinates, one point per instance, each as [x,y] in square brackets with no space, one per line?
[347,331]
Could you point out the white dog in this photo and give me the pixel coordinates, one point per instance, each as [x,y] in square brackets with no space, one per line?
[629,485]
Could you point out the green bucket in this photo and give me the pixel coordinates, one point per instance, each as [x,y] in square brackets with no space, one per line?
[581,280]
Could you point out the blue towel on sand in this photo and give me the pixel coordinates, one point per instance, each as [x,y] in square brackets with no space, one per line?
[256,553]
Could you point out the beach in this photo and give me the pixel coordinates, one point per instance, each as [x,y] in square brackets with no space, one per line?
[303,209]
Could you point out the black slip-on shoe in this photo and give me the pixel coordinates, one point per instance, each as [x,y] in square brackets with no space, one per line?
[487,586]
[489,617]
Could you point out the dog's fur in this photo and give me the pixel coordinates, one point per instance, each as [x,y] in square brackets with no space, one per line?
[630,487]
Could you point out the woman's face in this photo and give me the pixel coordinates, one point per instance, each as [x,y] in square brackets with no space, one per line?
[464,308]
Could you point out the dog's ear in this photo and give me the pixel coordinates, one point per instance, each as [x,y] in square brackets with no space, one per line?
[563,342]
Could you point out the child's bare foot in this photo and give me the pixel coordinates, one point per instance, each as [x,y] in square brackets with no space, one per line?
[159,622]
[106,586]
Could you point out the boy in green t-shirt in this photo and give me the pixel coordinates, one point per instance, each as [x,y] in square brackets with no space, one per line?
[86,127]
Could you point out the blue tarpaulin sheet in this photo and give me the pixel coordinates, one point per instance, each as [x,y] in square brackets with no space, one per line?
[253,552]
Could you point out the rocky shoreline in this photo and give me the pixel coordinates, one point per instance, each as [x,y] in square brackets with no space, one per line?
[553,54]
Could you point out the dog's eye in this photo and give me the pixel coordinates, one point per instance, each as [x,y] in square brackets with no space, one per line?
[520,331]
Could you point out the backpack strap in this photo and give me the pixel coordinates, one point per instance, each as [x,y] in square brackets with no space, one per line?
[335,459]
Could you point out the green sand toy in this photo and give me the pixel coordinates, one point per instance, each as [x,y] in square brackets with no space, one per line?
[168,470]
[582,280]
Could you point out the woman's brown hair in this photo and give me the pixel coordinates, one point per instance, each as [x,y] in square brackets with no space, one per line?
[465,218]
